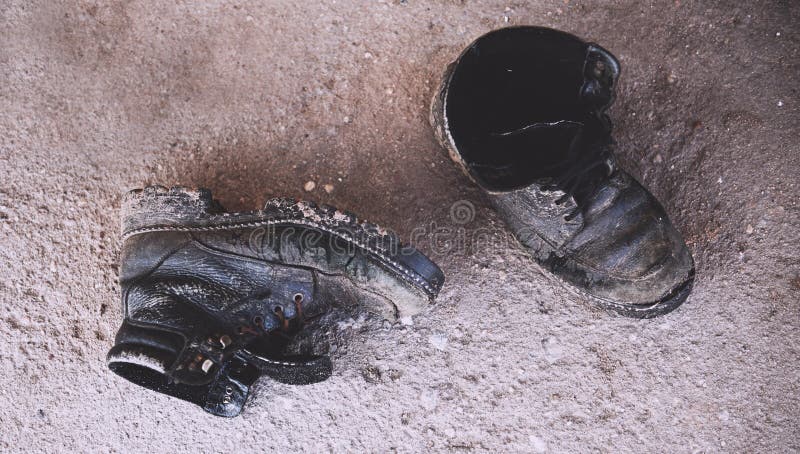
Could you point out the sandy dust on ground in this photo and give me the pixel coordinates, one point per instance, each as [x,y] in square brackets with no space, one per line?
[328,102]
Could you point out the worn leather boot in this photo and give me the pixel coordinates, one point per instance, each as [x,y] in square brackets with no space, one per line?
[212,300]
[523,111]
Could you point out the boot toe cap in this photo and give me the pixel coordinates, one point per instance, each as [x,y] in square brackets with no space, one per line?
[631,259]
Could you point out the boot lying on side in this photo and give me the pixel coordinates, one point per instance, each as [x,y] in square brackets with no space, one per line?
[522,110]
[212,300]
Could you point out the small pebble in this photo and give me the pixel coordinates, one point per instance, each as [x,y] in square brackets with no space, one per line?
[537,444]
[553,351]
[671,78]
[749,229]
[438,341]
[780,103]
[309,186]
[328,188]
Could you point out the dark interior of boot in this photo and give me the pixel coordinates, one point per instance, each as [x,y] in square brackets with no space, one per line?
[514,104]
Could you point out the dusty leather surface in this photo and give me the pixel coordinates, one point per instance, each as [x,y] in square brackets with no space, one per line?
[624,249]
[615,244]
[184,291]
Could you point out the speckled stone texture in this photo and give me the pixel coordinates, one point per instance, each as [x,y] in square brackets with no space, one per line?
[258,99]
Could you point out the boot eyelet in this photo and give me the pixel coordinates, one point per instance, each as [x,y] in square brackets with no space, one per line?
[298,297]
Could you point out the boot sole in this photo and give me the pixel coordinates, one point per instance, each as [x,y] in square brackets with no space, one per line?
[157,209]
[667,304]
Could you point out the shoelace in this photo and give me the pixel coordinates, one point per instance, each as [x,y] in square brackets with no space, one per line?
[271,360]
[283,321]
[584,177]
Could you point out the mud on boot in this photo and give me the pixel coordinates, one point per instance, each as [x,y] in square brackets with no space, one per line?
[523,112]
[212,300]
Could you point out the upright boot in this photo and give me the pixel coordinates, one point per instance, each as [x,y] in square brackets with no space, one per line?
[523,112]
[212,300]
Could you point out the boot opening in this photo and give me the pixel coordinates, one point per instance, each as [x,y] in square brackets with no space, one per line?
[144,375]
[516,105]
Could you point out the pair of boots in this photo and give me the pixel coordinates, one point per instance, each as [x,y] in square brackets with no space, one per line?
[212,300]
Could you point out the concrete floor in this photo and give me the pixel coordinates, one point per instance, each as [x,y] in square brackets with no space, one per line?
[255,99]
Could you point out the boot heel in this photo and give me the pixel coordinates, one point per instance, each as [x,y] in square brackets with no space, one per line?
[157,206]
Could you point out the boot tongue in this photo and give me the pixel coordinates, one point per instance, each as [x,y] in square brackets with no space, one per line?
[585,171]
[571,156]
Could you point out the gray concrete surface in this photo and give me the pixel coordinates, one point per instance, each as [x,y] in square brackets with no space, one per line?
[254,99]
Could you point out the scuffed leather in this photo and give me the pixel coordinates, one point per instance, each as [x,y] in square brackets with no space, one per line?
[610,239]
[534,209]
[213,300]
[180,296]
[622,247]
